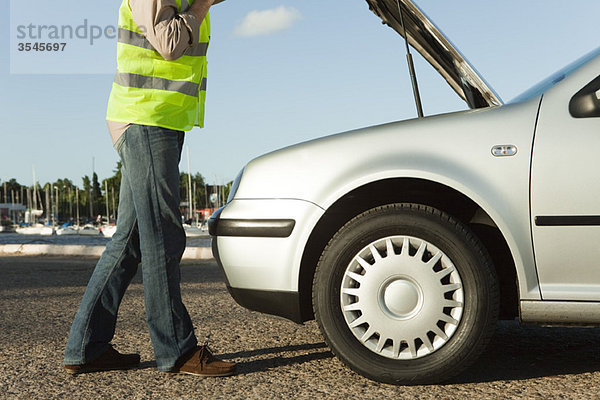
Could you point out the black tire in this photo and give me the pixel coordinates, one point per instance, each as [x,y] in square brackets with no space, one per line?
[479,294]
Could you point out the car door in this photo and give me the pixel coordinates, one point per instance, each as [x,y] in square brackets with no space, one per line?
[565,191]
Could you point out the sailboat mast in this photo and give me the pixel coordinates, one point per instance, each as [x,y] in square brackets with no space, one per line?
[77,201]
[191,215]
[34,189]
[106,201]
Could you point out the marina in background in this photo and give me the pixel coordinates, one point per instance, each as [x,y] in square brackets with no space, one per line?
[64,211]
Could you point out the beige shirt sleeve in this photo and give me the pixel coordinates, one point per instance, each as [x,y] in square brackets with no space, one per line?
[169,32]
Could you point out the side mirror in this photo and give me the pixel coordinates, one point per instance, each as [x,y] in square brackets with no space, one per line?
[586,102]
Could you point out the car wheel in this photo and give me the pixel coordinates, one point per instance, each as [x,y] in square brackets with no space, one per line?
[405,294]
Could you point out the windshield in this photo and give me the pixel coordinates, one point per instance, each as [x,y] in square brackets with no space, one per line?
[553,79]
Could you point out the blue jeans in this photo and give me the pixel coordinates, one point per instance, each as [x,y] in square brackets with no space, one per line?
[149,231]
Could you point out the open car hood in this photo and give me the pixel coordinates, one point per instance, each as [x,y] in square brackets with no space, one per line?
[431,43]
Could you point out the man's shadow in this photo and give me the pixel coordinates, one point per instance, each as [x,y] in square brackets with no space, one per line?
[310,352]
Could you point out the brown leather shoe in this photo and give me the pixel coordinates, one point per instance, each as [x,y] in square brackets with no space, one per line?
[111,359]
[201,362]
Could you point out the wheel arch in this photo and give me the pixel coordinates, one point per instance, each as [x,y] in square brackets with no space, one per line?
[411,190]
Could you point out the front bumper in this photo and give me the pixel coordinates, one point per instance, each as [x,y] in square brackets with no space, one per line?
[282,304]
[266,228]
[259,246]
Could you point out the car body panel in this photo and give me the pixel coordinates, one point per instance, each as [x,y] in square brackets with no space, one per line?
[426,149]
[553,173]
[566,182]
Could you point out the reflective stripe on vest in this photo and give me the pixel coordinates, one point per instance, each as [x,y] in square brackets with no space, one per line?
[139,40]
[150,90]
[153,82]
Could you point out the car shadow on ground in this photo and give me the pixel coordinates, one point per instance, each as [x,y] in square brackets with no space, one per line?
[515,353]
[520,352]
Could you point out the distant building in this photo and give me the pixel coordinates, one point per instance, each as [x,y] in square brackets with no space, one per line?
[12,212]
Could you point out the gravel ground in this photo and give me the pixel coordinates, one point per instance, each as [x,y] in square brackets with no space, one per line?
[276,358]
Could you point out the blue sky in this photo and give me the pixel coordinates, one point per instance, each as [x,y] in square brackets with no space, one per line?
[330,67]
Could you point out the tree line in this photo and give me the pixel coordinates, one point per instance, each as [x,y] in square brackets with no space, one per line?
[64,200]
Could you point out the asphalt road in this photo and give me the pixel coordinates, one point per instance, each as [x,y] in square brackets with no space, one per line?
[277,358]
[96,240]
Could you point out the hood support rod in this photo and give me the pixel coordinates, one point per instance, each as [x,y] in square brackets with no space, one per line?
[411,66]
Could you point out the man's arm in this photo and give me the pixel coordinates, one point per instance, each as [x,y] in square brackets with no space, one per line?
[169,32]
[200,8]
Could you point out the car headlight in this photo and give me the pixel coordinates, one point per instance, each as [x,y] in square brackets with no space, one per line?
[235,185]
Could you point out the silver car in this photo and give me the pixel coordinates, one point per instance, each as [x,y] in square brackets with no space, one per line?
[408,241]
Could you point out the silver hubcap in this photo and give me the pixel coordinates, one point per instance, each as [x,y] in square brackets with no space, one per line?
[402,297]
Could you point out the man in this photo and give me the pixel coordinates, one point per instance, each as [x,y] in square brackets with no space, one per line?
[158,93]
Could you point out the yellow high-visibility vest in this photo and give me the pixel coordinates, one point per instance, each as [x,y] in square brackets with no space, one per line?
[148,90]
